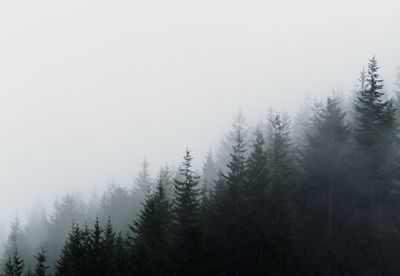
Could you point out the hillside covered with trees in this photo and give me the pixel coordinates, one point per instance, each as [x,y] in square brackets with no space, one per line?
[316,195]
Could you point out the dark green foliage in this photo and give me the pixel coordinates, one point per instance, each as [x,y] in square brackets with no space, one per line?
[14,265]
[186,211]
[255,204]
[325,190]
[41,266]
[109,253]
[152,235]
[376,173]
[8,266]
[74,255]
[375,115]
[279,195]
[230,210]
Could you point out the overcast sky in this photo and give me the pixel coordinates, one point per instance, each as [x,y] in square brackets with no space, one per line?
[90,88]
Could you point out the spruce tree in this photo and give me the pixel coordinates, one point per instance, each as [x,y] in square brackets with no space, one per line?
[143,181]
[41,266]
[187,218]
[255,205]
[325,205]
[376,173]
[73,255]
[109,250]
[122,262]
[14,265]
[165,176]
[375,114]
[8,266]
[209,173]
[152,235]
[229,211]
[279,194]
[95,248]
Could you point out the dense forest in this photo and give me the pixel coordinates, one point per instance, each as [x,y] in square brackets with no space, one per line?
[316,195]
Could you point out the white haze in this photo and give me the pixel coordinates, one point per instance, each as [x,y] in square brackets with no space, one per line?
[90,88]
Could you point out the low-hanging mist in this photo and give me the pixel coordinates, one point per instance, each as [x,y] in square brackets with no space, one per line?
[315,194]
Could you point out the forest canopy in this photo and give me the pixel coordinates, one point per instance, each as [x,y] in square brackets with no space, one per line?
[318,194]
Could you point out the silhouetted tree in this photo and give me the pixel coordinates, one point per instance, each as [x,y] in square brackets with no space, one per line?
[41,266]
[187,218]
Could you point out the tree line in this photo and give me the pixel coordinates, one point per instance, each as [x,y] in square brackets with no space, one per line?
[319,198]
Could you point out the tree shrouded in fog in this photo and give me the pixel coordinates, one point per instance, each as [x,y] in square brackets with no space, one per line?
[41,266]
[186,212]
[319,198]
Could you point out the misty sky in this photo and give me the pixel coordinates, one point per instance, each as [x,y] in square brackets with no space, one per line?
[90,88]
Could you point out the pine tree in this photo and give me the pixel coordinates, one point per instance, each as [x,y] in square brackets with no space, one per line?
[210,173]
[96,252]
[325,188]
[279,194]
[152,235]
[376,172]
[73,255]
[143,181]
[119,204]
[66,211]
[41,266]
[302,122]
[256,167]
[229,212]
[14,265]
[109,250]
[254,204]
[374,113]
[165,176]
[8,266]
[122,262]
[224,151]
[187,218]
[16,241]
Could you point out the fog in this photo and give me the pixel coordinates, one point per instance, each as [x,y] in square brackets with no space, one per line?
[90,88]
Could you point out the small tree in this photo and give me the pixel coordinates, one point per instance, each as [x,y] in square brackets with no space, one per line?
[41,266]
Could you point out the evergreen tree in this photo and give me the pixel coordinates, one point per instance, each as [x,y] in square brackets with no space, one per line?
[96,252]
[376,172]
[152,235]
[16,241]
[229,212]
[210,172]
[165,176]
[122,262]
[187,218]
[143,181]
[279,194]
[374,112]
[324,205]
[119,204]
[109,250]
[255,205]
[41,266]
[9,266]
[70,209]
[17,264]
[73,255]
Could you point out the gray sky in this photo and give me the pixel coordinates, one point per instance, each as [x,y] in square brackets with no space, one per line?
[90,88]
